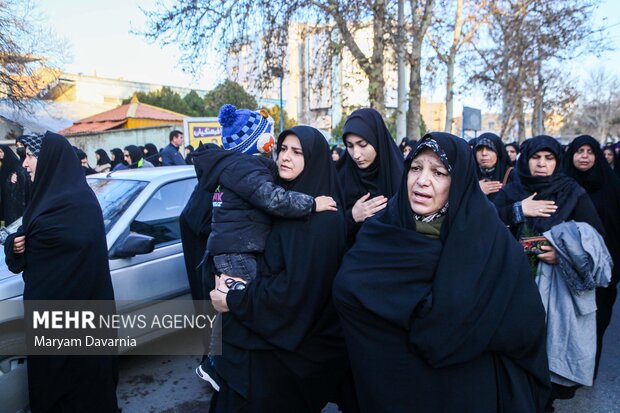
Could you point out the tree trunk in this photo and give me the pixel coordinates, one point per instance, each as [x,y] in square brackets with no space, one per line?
[419,26]
[449,93]
[371,66]
[376,81]
[520,115]
[415,95]
[458,25]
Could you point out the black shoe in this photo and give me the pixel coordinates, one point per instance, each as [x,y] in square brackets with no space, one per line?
[206,371]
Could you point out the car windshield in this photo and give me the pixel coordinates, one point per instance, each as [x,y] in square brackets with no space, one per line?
[115,196]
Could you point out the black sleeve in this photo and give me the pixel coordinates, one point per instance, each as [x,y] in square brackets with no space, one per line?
[585,211]
[504,208]
[352,227]
[15,262]
[256,187]
[277,201]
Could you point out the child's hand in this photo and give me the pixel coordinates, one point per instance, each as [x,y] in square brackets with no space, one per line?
[325,203]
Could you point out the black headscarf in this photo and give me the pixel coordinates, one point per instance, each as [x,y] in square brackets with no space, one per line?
[103,157]
[118,156]
[190,155]
[603,187]
[319,176]
[455,300]
[383,176]
[558,187]
[135,154]
[13,196]
[493,142]
[288,307]
[517,148]
[615,165]
[10,163]
[152,154]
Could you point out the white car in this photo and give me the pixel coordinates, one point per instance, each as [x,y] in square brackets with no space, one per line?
[141,209]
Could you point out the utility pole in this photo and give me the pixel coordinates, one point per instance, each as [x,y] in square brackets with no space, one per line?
[401,110]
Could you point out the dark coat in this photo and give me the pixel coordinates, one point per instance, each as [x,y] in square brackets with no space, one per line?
[244,195]
[195,226]
[170,155]
[66,258]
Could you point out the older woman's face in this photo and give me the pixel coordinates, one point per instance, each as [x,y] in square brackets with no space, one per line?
[428,183]
[609,155]
[291,158]
[542,163]
[362,152]
[583,159]
[30,164]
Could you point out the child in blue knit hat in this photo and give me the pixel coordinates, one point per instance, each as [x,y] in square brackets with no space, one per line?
[245,196]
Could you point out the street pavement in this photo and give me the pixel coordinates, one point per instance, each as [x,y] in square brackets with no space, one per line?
[168,384]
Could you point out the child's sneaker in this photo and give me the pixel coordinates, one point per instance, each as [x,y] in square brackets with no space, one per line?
[206,371]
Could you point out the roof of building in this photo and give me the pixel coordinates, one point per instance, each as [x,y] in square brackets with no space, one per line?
[116,117]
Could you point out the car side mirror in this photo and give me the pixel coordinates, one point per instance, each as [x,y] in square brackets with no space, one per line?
[133,244]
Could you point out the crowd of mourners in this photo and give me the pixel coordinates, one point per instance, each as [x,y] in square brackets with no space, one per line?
[434,276]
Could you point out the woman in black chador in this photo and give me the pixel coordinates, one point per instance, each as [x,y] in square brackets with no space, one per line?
[117,157]
[545,202]
[494,167]
[584,161]
[151,154]
[370,170]
[439,309]
[61,249]
[543,196]
[13,186]
[283,350]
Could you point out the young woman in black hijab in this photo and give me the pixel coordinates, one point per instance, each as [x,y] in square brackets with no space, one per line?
[104,164]
[283,350]
[512,149]
[494,168]
[151,154]
[370,170]
[117,157]
[585,162]
[61,249]
[612,159]
[543,196]
[337,153]
[440,313]
[189,155]
[13,186]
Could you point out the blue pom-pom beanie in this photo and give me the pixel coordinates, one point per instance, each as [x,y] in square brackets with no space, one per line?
[244,130]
